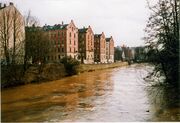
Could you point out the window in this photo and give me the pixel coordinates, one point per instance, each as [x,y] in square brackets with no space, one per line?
[70,49]
[70,34]
[62,49]
[59,56]
[70,41]
[74,42]
[58,49]
[74,35]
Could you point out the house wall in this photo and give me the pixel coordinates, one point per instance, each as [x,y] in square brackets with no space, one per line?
[111,50]
[11,19]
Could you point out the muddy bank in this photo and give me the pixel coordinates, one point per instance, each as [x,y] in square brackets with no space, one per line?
[51,72]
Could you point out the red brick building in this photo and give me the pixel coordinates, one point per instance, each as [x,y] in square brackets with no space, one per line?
[63,40]
[110,50]
[100,48]
[86,45]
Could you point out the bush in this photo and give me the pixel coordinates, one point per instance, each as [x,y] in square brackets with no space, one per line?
[11,75]
[70,65]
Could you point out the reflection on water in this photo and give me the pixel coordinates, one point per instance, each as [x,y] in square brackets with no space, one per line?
[118,94]
[165,103]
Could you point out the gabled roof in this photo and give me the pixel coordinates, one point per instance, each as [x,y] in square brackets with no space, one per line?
[55,27]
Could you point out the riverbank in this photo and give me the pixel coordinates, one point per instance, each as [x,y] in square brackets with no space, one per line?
[93,67]
[53,71]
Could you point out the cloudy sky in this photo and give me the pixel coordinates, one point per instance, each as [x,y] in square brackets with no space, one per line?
[123,19]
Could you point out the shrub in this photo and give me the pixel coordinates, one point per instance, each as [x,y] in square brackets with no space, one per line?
[70,65]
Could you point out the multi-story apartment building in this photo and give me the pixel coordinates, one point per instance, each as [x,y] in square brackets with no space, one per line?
[12,35]
[63,39]
[100,48]
[110,50]
[86,45]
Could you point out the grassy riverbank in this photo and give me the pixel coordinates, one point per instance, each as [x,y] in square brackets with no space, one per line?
[50,72]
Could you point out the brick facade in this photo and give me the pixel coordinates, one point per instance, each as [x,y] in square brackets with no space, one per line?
[110,50]
[86,45]
[100,48]
[63,40]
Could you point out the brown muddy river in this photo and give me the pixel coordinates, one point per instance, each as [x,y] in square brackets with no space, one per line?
[119,94]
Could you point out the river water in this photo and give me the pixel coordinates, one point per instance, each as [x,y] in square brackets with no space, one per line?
[119,94]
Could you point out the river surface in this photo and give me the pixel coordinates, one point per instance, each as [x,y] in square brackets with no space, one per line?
[119,94]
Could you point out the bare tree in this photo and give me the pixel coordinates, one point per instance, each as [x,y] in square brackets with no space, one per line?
[5,24]
[36,42]
[12,35]
[163,38]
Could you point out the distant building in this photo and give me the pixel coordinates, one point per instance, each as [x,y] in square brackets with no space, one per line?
[86,45]
[110,50]
[100,48]
[63,40]
[12,34]
[126,53]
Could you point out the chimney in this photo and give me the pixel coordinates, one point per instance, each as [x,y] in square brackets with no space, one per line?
[4,5]
[62,23]
[11,3]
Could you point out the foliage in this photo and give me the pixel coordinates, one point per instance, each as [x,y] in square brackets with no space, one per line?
[163,39]
[140,54]
[117,54]
[70,65]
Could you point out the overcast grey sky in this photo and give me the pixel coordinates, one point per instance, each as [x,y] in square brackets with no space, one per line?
[123,19]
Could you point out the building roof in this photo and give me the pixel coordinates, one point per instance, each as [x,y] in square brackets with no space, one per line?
[55,27]
[83,30]
[2,6]
[97,35]
[108,39]
[33,28]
